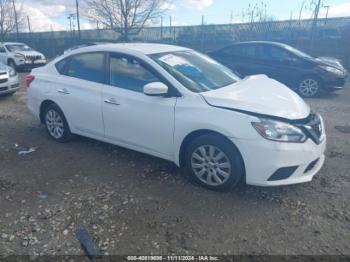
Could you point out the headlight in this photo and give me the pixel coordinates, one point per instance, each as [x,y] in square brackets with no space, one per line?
[19,56]
[332,70]
[12,72]
[279,131]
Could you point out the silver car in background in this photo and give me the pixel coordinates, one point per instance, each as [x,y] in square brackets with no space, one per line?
[9,82]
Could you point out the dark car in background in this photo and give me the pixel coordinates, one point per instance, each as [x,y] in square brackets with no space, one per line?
[301,72]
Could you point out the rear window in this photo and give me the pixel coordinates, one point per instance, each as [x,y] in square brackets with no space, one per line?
[88,66]
[61,66]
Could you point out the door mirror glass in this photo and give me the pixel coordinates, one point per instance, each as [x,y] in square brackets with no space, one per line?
[155,89]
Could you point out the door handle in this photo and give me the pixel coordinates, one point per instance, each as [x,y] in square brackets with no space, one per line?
[63,91]
[112,101]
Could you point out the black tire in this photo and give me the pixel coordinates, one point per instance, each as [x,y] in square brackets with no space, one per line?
[236,173]
[309,86]
[12,64]
[66,134]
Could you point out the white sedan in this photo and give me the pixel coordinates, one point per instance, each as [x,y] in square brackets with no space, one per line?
[9,82]
[177,104]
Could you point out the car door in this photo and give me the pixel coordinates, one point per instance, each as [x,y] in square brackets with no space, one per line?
[279,64]
[249,64]
[78,92]
[131,118]
[239,58]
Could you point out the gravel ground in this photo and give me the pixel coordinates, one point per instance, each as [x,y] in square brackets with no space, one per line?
[132,203]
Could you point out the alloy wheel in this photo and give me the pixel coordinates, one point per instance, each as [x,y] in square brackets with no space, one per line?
[54,123]
[211,165]
[308,87]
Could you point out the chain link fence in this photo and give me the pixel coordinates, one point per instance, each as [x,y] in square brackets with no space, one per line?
[330,37]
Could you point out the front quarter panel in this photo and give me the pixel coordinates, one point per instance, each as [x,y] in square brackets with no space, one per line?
[192,114]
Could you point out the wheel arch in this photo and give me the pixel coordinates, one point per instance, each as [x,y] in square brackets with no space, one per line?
[197,133]
[10,59]
[43,106]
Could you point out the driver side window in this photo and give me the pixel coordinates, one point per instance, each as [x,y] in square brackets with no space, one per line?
[273,53]
[128,73]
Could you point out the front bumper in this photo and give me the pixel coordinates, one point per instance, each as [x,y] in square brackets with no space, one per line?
[10,86]
[31,64]
[262,158]
[334,82]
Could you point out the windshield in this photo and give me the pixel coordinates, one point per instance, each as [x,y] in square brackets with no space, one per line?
[297,52]
[195,71]
[14,48]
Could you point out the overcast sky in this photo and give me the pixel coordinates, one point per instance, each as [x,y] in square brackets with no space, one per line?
[45,14]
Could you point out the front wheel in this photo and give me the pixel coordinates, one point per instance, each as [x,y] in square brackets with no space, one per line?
[214,162]
[309,87]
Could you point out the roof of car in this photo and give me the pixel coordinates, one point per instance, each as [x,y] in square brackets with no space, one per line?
[145,48]
[12,43]
[260,42]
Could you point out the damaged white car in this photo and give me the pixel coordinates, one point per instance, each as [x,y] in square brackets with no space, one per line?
[177,104]
[20,56]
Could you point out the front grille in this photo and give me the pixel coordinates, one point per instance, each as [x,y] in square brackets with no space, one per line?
[3,88]
[312,127]
[4,80]
[33,57]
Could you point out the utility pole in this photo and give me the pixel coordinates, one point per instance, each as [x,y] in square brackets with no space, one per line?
[70,17]
[314,24]
[161,28]
[70,23]
[327,7]
[16,20]
[170,25]
[29,27]
[202,37]
[78,18]
[317,11]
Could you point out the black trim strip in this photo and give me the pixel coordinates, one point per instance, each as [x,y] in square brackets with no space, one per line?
[283,173]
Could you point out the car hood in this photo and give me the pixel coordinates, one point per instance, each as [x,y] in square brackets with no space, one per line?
[330,61]
[259,94]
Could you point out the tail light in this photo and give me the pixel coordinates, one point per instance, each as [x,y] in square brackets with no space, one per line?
[28,80]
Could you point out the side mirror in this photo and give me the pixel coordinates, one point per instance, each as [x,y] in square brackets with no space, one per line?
[155,89]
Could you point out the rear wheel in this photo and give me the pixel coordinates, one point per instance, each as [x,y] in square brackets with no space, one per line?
[56,124]
[309,87]
[214,162]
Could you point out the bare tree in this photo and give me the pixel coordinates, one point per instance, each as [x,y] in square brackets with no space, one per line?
[256,13]
[127,17]
[10,18]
